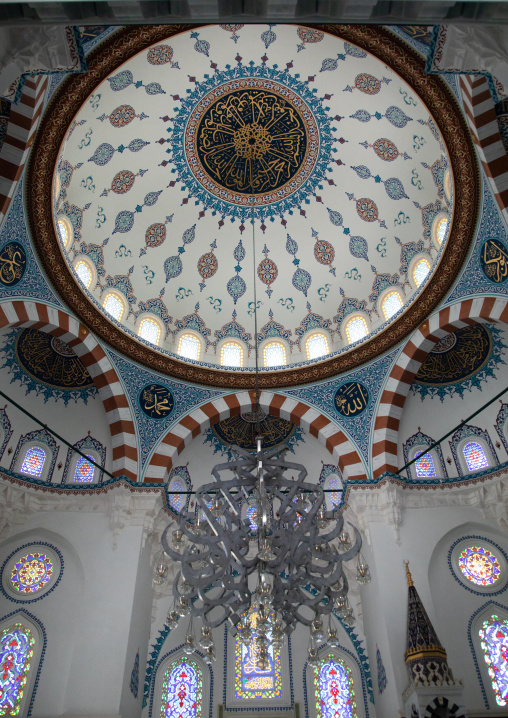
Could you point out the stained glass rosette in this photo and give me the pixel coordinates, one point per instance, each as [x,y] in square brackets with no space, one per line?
[479,566]
[494,641]
[250,682]
[334,691]
[31,572]
[182,690]
[16,651]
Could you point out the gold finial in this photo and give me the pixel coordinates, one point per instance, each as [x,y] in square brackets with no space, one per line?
[408,574]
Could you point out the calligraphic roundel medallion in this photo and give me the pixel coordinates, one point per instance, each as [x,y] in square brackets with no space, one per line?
[351,399]
[251,138]
[156,401]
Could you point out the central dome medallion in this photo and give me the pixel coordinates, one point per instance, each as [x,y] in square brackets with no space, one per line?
[297,174]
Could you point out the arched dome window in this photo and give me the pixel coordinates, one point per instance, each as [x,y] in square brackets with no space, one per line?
[84,471]
[475,456]
[448,185]
[439,229]
[420,271]
[150,330]
[33,461]
[424,466]
[84,272]
[182,689]
[356,329]
[274,354]
[391,304]
[114,306]
[334,690]
[494,643]
[189,347]
[317,346]
[65,234]
[231,354]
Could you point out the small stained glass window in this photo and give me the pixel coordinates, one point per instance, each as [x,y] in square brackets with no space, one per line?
[494,642]
[274,354]
[113,306]
[356,329]
[16,651]
[177,501]
[84,273]
[420,271]
[317,346]
[189,347]
[252,515]
[33,463]
[31,573]
[182,690]
[441,229]
[251,681]
[391,304]
[231,354]
[334,690]
[479,565]
[333,485]
[84,470]
[63,232]
[150,330]
[424,466]
[475,456]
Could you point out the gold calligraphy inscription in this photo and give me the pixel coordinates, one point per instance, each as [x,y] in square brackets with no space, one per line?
[351,398]
[465,357]
[236,431]
[156,401]
[35,352]
[12,264]
[494,261]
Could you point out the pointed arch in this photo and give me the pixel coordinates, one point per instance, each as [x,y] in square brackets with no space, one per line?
[414,353]
[476,621]
[351,673]
[161,683]
[22,313]
[190,426]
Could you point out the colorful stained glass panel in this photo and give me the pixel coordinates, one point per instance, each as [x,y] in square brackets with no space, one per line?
[494,638]
[31,572]
[424,466]
[84,470]
[475,456]
[334,691]
[177,500]
[251,682]
[252,515]
[16,650]
[479,566]
[33,463]
[182,690]
[334,486]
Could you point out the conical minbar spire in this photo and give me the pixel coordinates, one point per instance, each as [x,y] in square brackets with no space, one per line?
[425,656]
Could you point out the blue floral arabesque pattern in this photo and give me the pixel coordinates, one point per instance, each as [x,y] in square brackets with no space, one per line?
[224,209]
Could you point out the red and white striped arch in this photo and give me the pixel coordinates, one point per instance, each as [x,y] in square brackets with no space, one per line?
[303,415]
[481,116]
[53,321]
[386,427]
[23,122]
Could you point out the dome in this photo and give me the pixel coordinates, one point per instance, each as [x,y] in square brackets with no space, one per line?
[295,172]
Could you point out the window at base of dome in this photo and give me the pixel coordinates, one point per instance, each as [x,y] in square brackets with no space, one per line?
[33,463]
[274,354]
[149,330]
[84,471]
[391,304]
[113,306]
[425,468]
[84,274]
[356,329]
[421,271]
[317,346]
[189,347]
[475,456]
[231,354]
[441,229]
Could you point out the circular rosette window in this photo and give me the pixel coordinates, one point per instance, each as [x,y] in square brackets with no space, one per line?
[479,564]
[31,571]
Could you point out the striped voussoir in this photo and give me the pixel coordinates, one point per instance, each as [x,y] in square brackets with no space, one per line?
[23,122]
[386,427]
[481,116]
[223,407]
[60,324]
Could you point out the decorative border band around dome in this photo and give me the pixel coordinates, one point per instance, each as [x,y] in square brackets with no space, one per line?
[125,43]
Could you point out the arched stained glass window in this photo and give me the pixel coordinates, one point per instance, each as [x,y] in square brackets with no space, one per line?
[356,329]
[317,346]
[16,651]
[479,565]
[182,690]
[150,330]
[84,470]
[231,354]
[250,681]
[274,354]
[113,306]
[334,691]
[422,268]
[177,501]
[33,463]
[424,466]
[494,641]
[475,456]
[189,347]
[84,274]
[334,486]
[252,515]
[391,304]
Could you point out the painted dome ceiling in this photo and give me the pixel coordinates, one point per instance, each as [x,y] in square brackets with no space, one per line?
[230,167]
